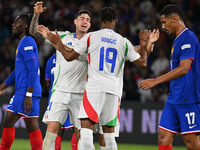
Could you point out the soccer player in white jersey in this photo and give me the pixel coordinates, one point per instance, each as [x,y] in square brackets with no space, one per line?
[70,79]
[107,51]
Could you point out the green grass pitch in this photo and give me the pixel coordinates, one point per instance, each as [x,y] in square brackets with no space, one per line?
[24,144]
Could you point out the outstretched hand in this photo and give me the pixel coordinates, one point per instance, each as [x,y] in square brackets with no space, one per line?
[38,9]
[53,38]
[154,36]
[44,31]
[147,84]
[56,41]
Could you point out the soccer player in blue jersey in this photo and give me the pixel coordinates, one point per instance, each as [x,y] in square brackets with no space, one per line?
[26,76]
[181,113]
[49,77]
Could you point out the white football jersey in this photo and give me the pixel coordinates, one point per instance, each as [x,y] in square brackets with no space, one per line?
[107,52]
[69,76]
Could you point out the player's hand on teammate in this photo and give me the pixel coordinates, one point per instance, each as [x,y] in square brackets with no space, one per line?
[38,9]
[27,104]
[154,36]
[57,42]
[44,31]
[147,84]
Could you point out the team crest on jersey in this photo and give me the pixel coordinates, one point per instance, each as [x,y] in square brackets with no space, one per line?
[172,51]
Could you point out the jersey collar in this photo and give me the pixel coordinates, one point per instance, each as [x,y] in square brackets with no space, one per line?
[181,33]
[74,35]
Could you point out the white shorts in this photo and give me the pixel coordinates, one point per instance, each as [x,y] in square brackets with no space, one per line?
[62,103]
[100,107]
[98,128]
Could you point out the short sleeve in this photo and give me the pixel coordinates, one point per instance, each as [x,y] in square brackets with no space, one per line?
[130,52]
[188,48]
[82,44]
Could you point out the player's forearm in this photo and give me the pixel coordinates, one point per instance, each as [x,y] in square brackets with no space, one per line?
[32,28]
[172,75]
[143,53]
[67,52]
[11,79]
[32,74]
[149,48]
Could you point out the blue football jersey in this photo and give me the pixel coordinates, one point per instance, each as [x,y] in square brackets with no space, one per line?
[26,50]
[185,89]
[49,73]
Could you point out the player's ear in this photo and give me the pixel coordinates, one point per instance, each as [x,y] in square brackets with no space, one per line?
[175,18]
[75,21]
[25,25]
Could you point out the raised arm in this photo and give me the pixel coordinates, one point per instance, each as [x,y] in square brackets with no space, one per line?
[153,37]
[38,9]
[143,36]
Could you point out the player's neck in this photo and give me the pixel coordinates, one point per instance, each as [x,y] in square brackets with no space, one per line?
[80,35]
[107,26]
[21,36]
[180,29]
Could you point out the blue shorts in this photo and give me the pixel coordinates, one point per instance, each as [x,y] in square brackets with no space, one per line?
[181,118]
[67,123]
[16,106]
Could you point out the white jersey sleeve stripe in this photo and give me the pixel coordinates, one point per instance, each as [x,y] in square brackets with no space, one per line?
[123,60]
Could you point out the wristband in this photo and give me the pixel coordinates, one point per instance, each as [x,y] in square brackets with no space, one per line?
[29,94]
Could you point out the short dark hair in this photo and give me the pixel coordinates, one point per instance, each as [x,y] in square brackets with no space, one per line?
[172,9]
[83,11]
[108,14]
[26,19]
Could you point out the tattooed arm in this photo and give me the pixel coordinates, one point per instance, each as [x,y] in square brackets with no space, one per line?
[38,9]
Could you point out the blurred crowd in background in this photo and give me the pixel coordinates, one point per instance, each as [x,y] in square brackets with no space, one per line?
[134,15]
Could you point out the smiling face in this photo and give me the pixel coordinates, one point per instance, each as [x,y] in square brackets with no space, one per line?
[168,23]
[82,23]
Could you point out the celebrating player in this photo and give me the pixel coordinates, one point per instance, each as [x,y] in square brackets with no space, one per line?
[70,79]
[49,77]
[107,52]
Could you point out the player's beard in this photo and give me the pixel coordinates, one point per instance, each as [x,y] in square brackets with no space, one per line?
[15,35]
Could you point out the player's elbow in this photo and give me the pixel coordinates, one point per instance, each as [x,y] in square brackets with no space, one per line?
[141,62]
[31,32]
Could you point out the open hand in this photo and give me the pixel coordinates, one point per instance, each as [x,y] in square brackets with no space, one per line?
[38,9]
[147,84]
[154,36]
[144,36]
[44,31]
